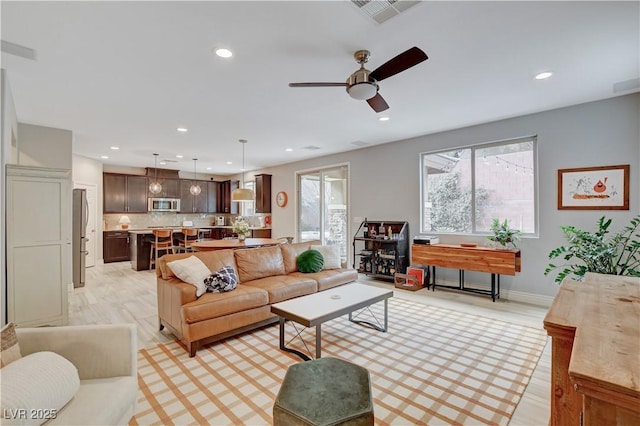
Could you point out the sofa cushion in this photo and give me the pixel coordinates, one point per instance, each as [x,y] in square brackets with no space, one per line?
[214,259]
[192,271]
[256,263]
[331,256]
[10,347]
[100,402]
[284,287]
[224,279]
[290,253]
[330,278]
[39,381]
[213,305]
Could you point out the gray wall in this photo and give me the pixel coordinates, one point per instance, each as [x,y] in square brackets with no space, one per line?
[8,133]
[44,146]
[384,179]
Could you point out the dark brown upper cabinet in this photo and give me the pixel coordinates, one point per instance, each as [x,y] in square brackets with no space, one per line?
[263,193]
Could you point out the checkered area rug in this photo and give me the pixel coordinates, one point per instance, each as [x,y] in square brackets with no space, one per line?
[433,366]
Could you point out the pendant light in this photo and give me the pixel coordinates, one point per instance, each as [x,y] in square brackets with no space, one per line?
[242,194]
[195,188]
[155,187]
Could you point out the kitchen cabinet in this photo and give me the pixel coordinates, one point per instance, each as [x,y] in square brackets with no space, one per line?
[190,203]
[212,199]
[261,233]
[124,193]
[225,188]
[170,188]
[115,246]
[263,193]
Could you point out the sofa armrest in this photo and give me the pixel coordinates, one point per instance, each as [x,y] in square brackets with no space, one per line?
[97,351]
[172,294]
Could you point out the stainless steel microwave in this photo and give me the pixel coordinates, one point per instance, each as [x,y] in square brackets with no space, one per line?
[164,205]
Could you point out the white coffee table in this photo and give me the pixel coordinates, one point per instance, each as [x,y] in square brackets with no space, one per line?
[315,309]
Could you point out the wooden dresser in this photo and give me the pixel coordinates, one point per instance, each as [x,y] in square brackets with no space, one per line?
[595,358]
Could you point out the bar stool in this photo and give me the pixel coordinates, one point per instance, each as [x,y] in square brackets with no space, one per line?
[163,242]
[285,240]
[191,235]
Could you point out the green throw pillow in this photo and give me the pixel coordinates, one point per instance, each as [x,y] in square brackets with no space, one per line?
[310,261]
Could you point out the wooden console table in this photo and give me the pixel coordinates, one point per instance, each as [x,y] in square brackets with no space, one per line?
[595,351]
[480,259]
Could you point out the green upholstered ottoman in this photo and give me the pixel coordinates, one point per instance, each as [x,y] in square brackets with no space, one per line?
[325,391]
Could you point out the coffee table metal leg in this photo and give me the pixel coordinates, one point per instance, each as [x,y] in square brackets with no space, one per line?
[318,339]
[386,315]
[294,351]
[372,325]
[282,333]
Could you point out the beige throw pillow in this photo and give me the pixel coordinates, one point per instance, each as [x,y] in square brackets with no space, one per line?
[193,271]
[331,255]
[40,384]
[10,348]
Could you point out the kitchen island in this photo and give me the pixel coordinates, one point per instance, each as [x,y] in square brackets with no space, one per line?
[140,241]
[234,244]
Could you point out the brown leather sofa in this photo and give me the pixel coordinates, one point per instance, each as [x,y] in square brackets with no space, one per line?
[266,275]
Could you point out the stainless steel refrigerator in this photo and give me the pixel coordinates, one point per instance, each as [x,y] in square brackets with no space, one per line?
[79,243]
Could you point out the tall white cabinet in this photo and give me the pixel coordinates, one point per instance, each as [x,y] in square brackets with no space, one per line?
[38,245]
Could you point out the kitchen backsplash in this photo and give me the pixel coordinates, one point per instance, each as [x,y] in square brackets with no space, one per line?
[145,220]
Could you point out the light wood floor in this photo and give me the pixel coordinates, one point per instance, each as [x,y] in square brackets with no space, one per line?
[115,293]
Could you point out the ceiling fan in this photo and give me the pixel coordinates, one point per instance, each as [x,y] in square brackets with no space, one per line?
[363,84]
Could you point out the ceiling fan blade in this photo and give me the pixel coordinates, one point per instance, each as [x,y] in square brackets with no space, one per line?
[402,62]
[317,84]
[378,103]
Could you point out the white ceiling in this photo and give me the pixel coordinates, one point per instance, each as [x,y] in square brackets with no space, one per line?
[129,73]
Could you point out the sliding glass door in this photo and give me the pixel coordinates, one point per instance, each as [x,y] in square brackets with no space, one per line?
[322,206]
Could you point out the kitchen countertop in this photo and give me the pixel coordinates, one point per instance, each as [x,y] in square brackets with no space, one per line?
[178,228]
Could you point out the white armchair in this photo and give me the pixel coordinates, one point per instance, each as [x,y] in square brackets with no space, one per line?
[106,359]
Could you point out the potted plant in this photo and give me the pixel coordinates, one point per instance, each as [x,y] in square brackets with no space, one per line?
[503,236]
[241,227]
[616,254]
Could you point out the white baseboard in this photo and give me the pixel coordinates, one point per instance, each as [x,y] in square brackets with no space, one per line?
[530,298]
[514,296]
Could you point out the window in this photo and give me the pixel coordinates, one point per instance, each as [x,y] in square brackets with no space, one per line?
[249,209]
[464,189]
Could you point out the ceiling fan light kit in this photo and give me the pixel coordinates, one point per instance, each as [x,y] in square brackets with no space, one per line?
[362,91]
[363,84]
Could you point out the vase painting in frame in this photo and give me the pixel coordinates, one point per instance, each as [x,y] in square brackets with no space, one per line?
[594,188]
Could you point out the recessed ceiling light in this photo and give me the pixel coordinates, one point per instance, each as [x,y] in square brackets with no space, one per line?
[544,75]
[289,149]
[383,118]
[224,53]
[229,162]
[179,156]
[182,129]
[162,163]
[104,156]
[115,148]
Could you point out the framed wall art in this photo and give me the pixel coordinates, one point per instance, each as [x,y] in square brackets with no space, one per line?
[594,188]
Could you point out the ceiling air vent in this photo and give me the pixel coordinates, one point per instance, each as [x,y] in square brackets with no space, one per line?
[359,143]
[382,10]
[311,147]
